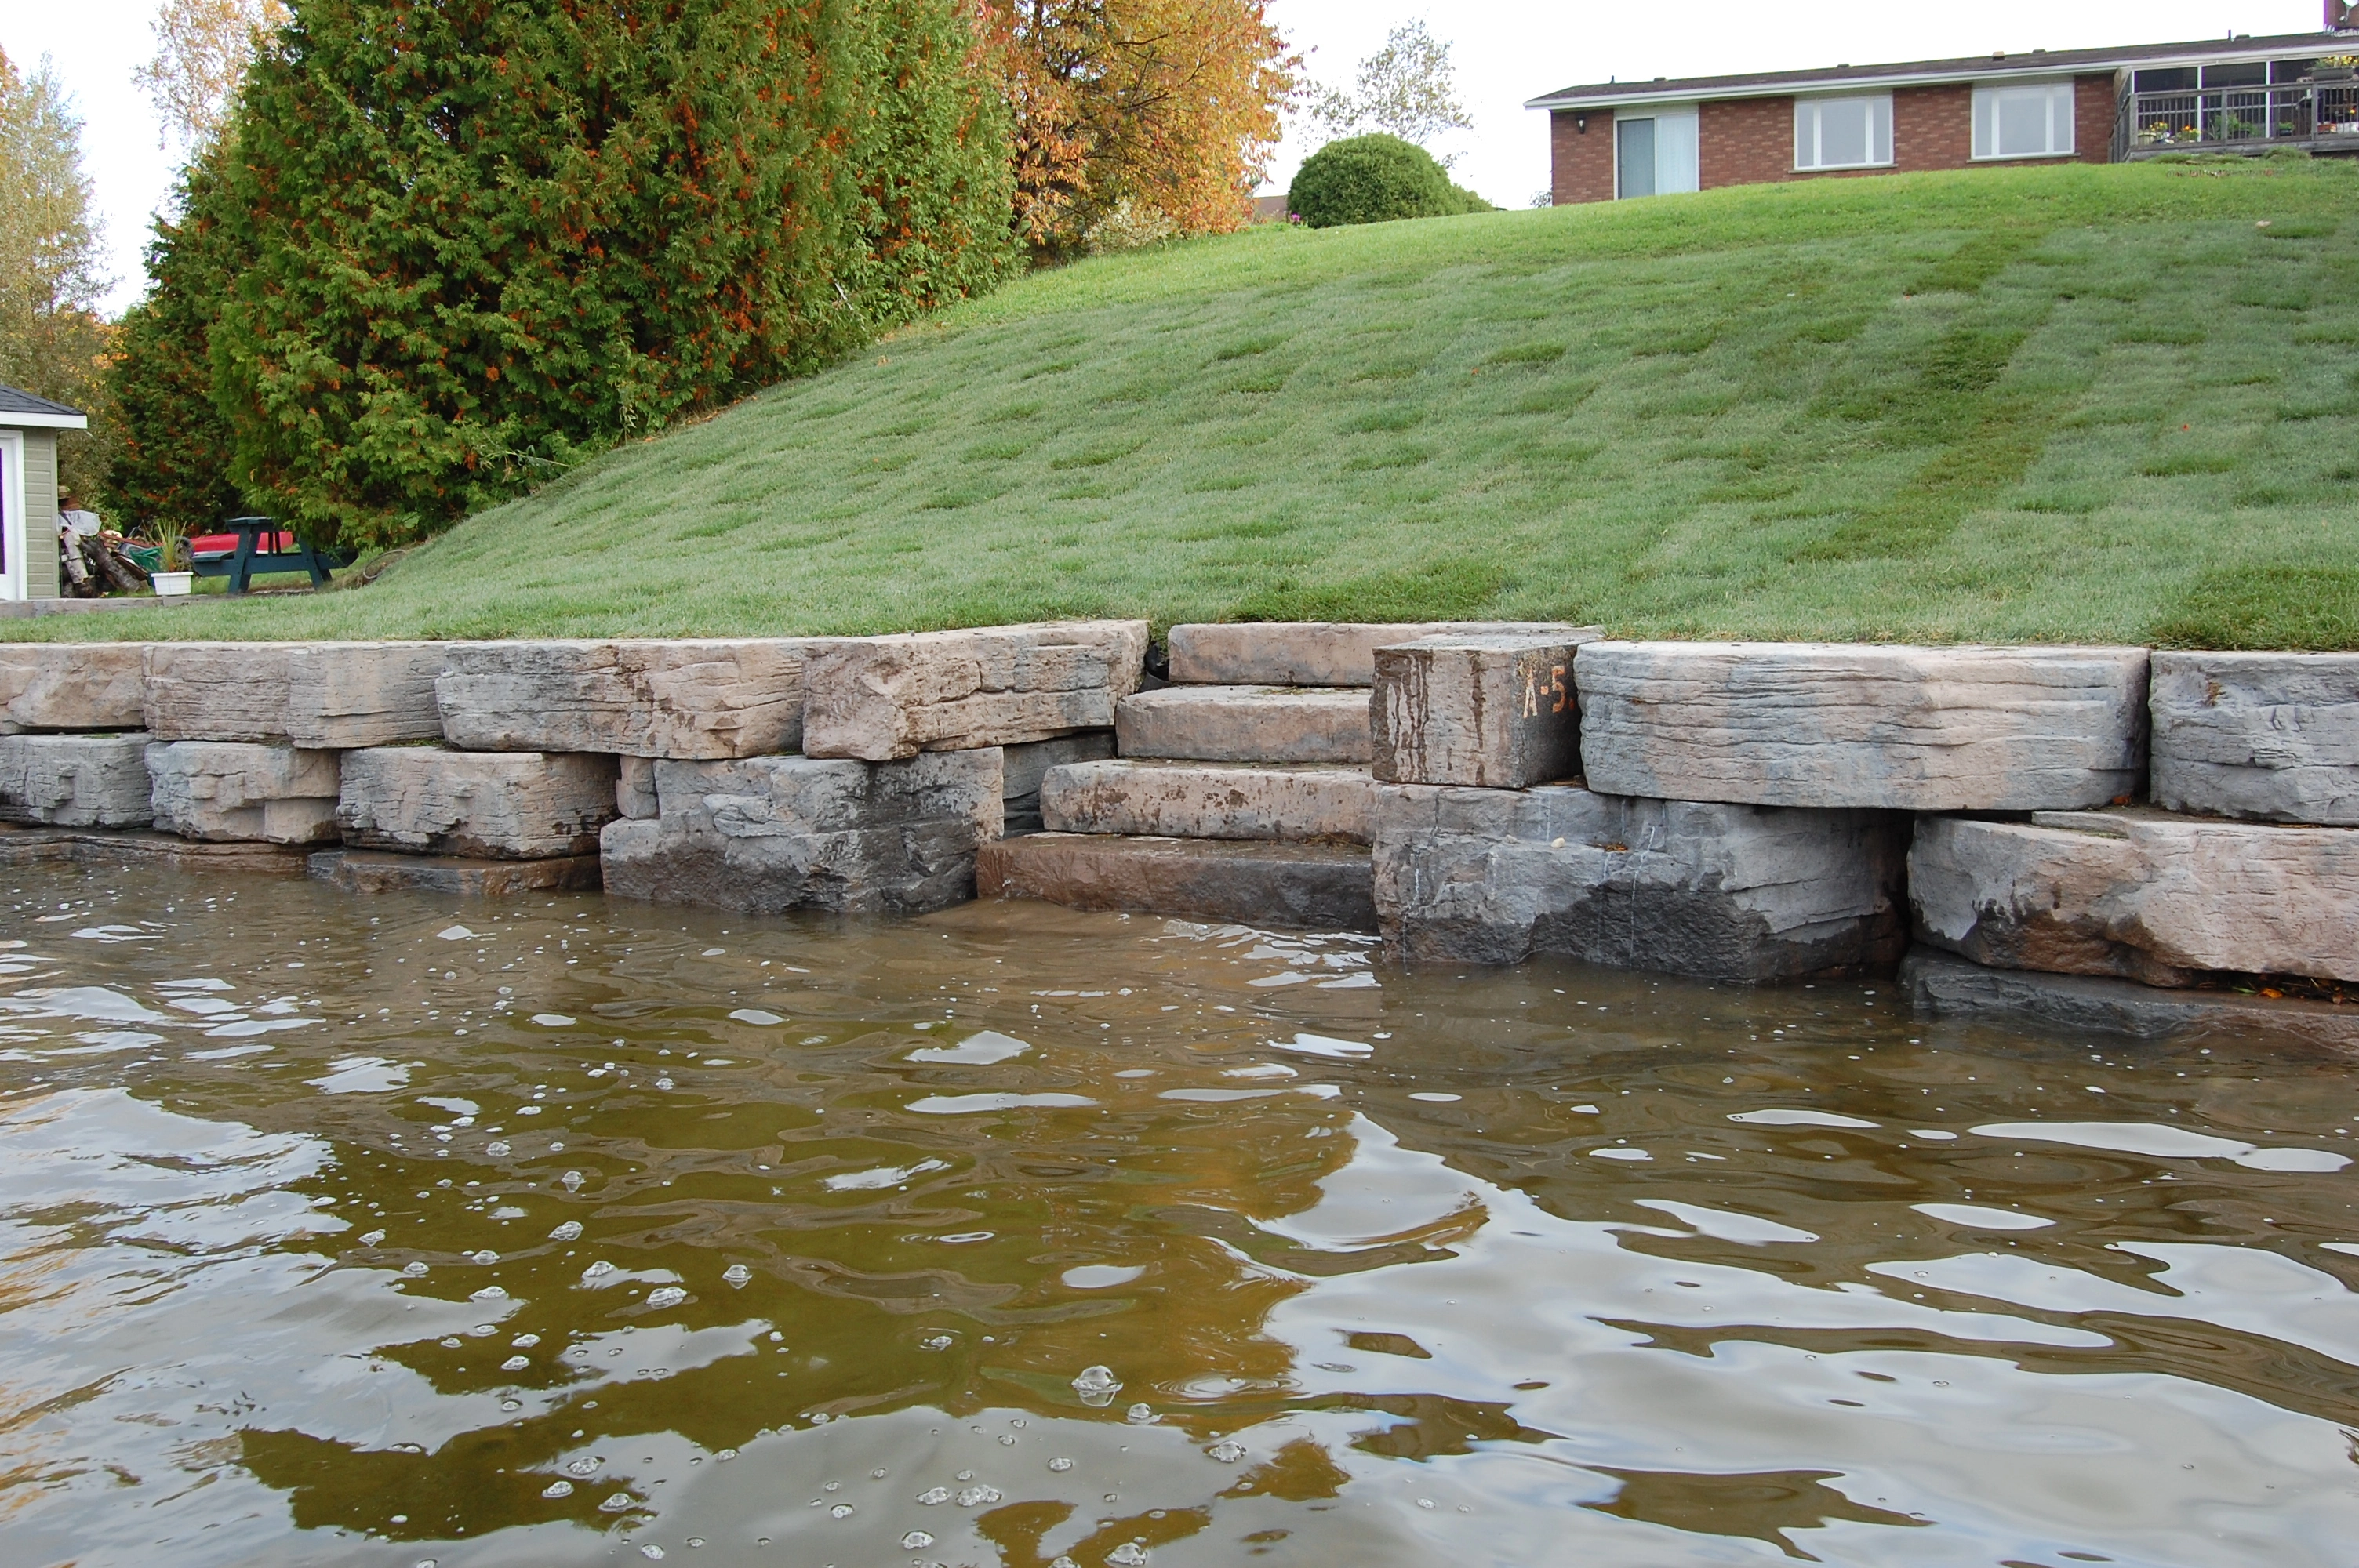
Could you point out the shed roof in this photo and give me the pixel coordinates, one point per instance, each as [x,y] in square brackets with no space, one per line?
[1971,68]
[22,410]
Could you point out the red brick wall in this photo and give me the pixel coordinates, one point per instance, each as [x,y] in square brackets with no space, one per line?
[1580,163]
[1750,141]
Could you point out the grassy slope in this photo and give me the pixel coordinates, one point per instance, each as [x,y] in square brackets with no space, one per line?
[2072,404]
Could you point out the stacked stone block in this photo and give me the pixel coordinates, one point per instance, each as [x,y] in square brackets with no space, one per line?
[71,751]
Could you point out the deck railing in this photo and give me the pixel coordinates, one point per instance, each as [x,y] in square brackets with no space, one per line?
[2238,118]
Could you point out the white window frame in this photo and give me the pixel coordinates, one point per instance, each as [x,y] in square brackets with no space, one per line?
[2061,110]
[1807,136]
[18,536]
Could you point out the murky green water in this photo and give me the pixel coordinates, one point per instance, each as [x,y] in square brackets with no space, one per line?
[388,1231]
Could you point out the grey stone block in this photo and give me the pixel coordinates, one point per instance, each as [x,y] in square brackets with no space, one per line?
[2268,736]
[362,870]
[1209,800]
[72,686]
[1717,891]
[707,698]
[341,696]
[1940,986]
[511,806]
[1494,709]
[769,834]
[1322,887]
[883,699]
[1246,724]
[75,781]
[1830,724]
[635,788]
[231,790]
[2139,894]
[1307,652]
[130,849]
[218,691]
[1027,764]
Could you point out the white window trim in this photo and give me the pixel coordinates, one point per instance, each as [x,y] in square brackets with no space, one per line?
[1889,162]
[2072,121]
[12,515]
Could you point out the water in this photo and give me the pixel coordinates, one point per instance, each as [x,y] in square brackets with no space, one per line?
[386,1230]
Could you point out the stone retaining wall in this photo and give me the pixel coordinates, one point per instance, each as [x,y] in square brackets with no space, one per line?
[2178,822]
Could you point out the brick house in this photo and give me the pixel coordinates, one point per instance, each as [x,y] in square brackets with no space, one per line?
[1617,140]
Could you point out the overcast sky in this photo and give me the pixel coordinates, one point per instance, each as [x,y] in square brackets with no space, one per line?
[1505,52]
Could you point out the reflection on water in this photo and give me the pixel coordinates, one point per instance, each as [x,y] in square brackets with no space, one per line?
[388,1231]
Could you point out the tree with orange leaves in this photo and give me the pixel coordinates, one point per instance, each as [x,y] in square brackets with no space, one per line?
[1162,107]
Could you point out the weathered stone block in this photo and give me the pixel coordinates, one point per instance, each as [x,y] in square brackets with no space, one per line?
[1718,891]
[229,790]
[1027,764]
[72,686]
[2139,894]
[362,870]
[879,698]
[2272,736]
[218,691]
[768,833]
[1827,724]
[693,697]
[1251,882]
[509,806]
[1494,709]
[635,788]
[1940,986]
[1306,652]
[130,849]
[1209,800]
[75,781]
[346,694]
[1246,724]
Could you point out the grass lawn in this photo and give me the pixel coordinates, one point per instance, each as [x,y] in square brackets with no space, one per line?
[2079,403]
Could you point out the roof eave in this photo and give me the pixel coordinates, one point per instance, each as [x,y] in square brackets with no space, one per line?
[44,421]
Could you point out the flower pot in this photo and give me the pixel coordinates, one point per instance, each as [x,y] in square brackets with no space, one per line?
[170,583]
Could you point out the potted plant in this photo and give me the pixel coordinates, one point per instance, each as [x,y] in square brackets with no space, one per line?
[2335,68]
[172,577]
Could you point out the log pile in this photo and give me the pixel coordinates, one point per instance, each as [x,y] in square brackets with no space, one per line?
[90,566]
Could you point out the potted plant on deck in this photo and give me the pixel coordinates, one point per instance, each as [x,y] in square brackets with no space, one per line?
[171,576]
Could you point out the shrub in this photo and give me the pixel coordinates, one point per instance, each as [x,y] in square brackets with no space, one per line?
[1374,180]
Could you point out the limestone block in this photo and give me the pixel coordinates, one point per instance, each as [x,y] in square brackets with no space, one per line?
[508,806]
[635,788]
[119,848]
[74,781]
[341,696]
[218,691]
[1306,652]
[362,870]
[1938,985]
[72,686]
[2140,895]
[2272,736]
[1209,800]
[1723,891]
[880,698]
[1494,709]
[1025,766]
[1830,724]
[1322,887]
[768,833]
[692,697]
[227,790]
[1246,724]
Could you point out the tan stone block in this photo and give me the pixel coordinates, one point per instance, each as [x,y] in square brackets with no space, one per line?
[1209,800]
[692,697]
[218,691]
[229,790]
[1246,724]
[2271,736]
[516,806]
[881,698]
[342,695]
[1494,709]
[72,686]
[1306,652]
[1322,887]
[75,781]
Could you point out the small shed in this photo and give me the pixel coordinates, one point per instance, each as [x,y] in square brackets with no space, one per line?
[28,492]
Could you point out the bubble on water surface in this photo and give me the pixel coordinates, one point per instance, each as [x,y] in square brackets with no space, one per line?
[933,1494]
[916,1540]
[598,1270]
[1141,1414]
[1226,1451]
[736,1275]
[841,1510]
[372,1238]
[621,1502]
[516,1363]
[651,1549]
[490,1293]
[1130,1555]
[414,1271]
[558,1489]
[497,1149]
[1097,1385]
[1063,1563]
[1060,1465]
[665,1296]
[569,1231]
[973,1496]
[571,1180]
[452,1343]
[486,1257]
[937,1342]
[585,1466]
[525,1341]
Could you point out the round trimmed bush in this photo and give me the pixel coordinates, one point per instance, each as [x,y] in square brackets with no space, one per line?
[1372,179]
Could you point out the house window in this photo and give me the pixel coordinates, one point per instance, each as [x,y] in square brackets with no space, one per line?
[2023,119]
[1843,133]
[1655,154]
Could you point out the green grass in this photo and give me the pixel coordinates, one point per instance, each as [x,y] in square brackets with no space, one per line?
[2076,403]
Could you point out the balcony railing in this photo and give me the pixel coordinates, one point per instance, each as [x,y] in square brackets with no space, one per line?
[2239,119]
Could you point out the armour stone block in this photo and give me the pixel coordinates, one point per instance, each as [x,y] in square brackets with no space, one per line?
[72,686]
[218,691]
[75,781]
[1307,652]
[341,696]
[2267,736]
[884,698]
[1027,764]
[1825,725]
[510,805]
[231,790]
[1209,800]
[1491,709]
[1321,887]
[1247,724]
[704,699]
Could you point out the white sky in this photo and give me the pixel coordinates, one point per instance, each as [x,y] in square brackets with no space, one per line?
[1505,52]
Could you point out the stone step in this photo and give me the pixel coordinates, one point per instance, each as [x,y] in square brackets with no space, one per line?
[1246,724]
[364,871]
[1940,986]
[1306,652]
[1321,887]
[1295,802]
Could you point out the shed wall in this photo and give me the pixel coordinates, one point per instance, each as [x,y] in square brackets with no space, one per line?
[40,514]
